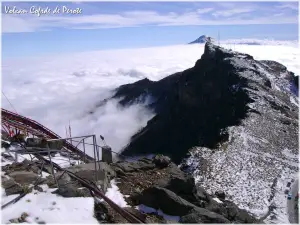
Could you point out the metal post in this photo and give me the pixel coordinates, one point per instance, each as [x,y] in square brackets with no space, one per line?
[52,168]
[106,154]
[84,159]
[56,139]
[97,148]
[101,150]
[42,169]
[94,145]
[70,131]
[16,157]
[69,158]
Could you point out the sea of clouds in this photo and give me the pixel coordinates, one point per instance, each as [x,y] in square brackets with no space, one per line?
[57,90]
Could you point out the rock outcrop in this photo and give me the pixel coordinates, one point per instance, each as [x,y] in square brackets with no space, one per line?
[195,107]
[228,106]
[175,193]
[157,183]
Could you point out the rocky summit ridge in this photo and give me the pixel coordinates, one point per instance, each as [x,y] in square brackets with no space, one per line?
[195,107]
[231,120]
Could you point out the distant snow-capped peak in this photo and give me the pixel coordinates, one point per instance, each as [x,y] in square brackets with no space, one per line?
[246,41]
[202,39]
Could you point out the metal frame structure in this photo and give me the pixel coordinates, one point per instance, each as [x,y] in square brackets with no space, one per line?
[84,157]
[38,150]
[33,127]
[23,151]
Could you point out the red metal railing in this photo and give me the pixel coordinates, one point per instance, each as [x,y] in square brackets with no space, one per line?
[35,128]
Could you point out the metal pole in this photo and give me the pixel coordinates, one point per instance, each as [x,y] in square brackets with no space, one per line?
[94,145]
[56,139]
[16,157]
[52,168]
[41,173]
[70,130]
[69,157]
[101,149]
[84,160]
[97,147]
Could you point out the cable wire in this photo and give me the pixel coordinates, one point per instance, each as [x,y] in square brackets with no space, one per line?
[9,102]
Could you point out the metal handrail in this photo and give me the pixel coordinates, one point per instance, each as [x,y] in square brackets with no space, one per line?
[8,116]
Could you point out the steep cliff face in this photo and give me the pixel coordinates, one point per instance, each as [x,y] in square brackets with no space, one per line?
[194,107]
[234,120]
[231,120]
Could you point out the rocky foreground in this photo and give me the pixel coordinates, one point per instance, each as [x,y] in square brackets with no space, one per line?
[160,184]
[157,183]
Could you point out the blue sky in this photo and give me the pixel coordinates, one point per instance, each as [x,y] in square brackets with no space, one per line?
[111,25]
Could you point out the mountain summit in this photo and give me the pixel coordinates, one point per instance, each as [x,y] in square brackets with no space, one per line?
[196,107]
[230,120]
[201,40]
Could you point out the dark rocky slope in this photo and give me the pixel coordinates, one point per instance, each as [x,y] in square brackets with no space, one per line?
[159,183]
[194,107]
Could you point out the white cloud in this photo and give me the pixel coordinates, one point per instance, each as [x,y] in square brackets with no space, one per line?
[30,23]
[279,14]
[204,10]
[51,92]
[231,12]
[18,24]
[54,90]
[293,6]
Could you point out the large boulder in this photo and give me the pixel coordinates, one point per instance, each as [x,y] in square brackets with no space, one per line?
[183,185]
[161,161]
[102,175]
[231,211]
[128,167]
[7,156]
[62,180]
[172,204]
[201,194]
[36,142]
[11,187]
[24,177]
[87,170]
[57,144]
[5,144]
[66,186]
[166,200]
[201,215]
[220,194]
[71,191]
[25,165]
